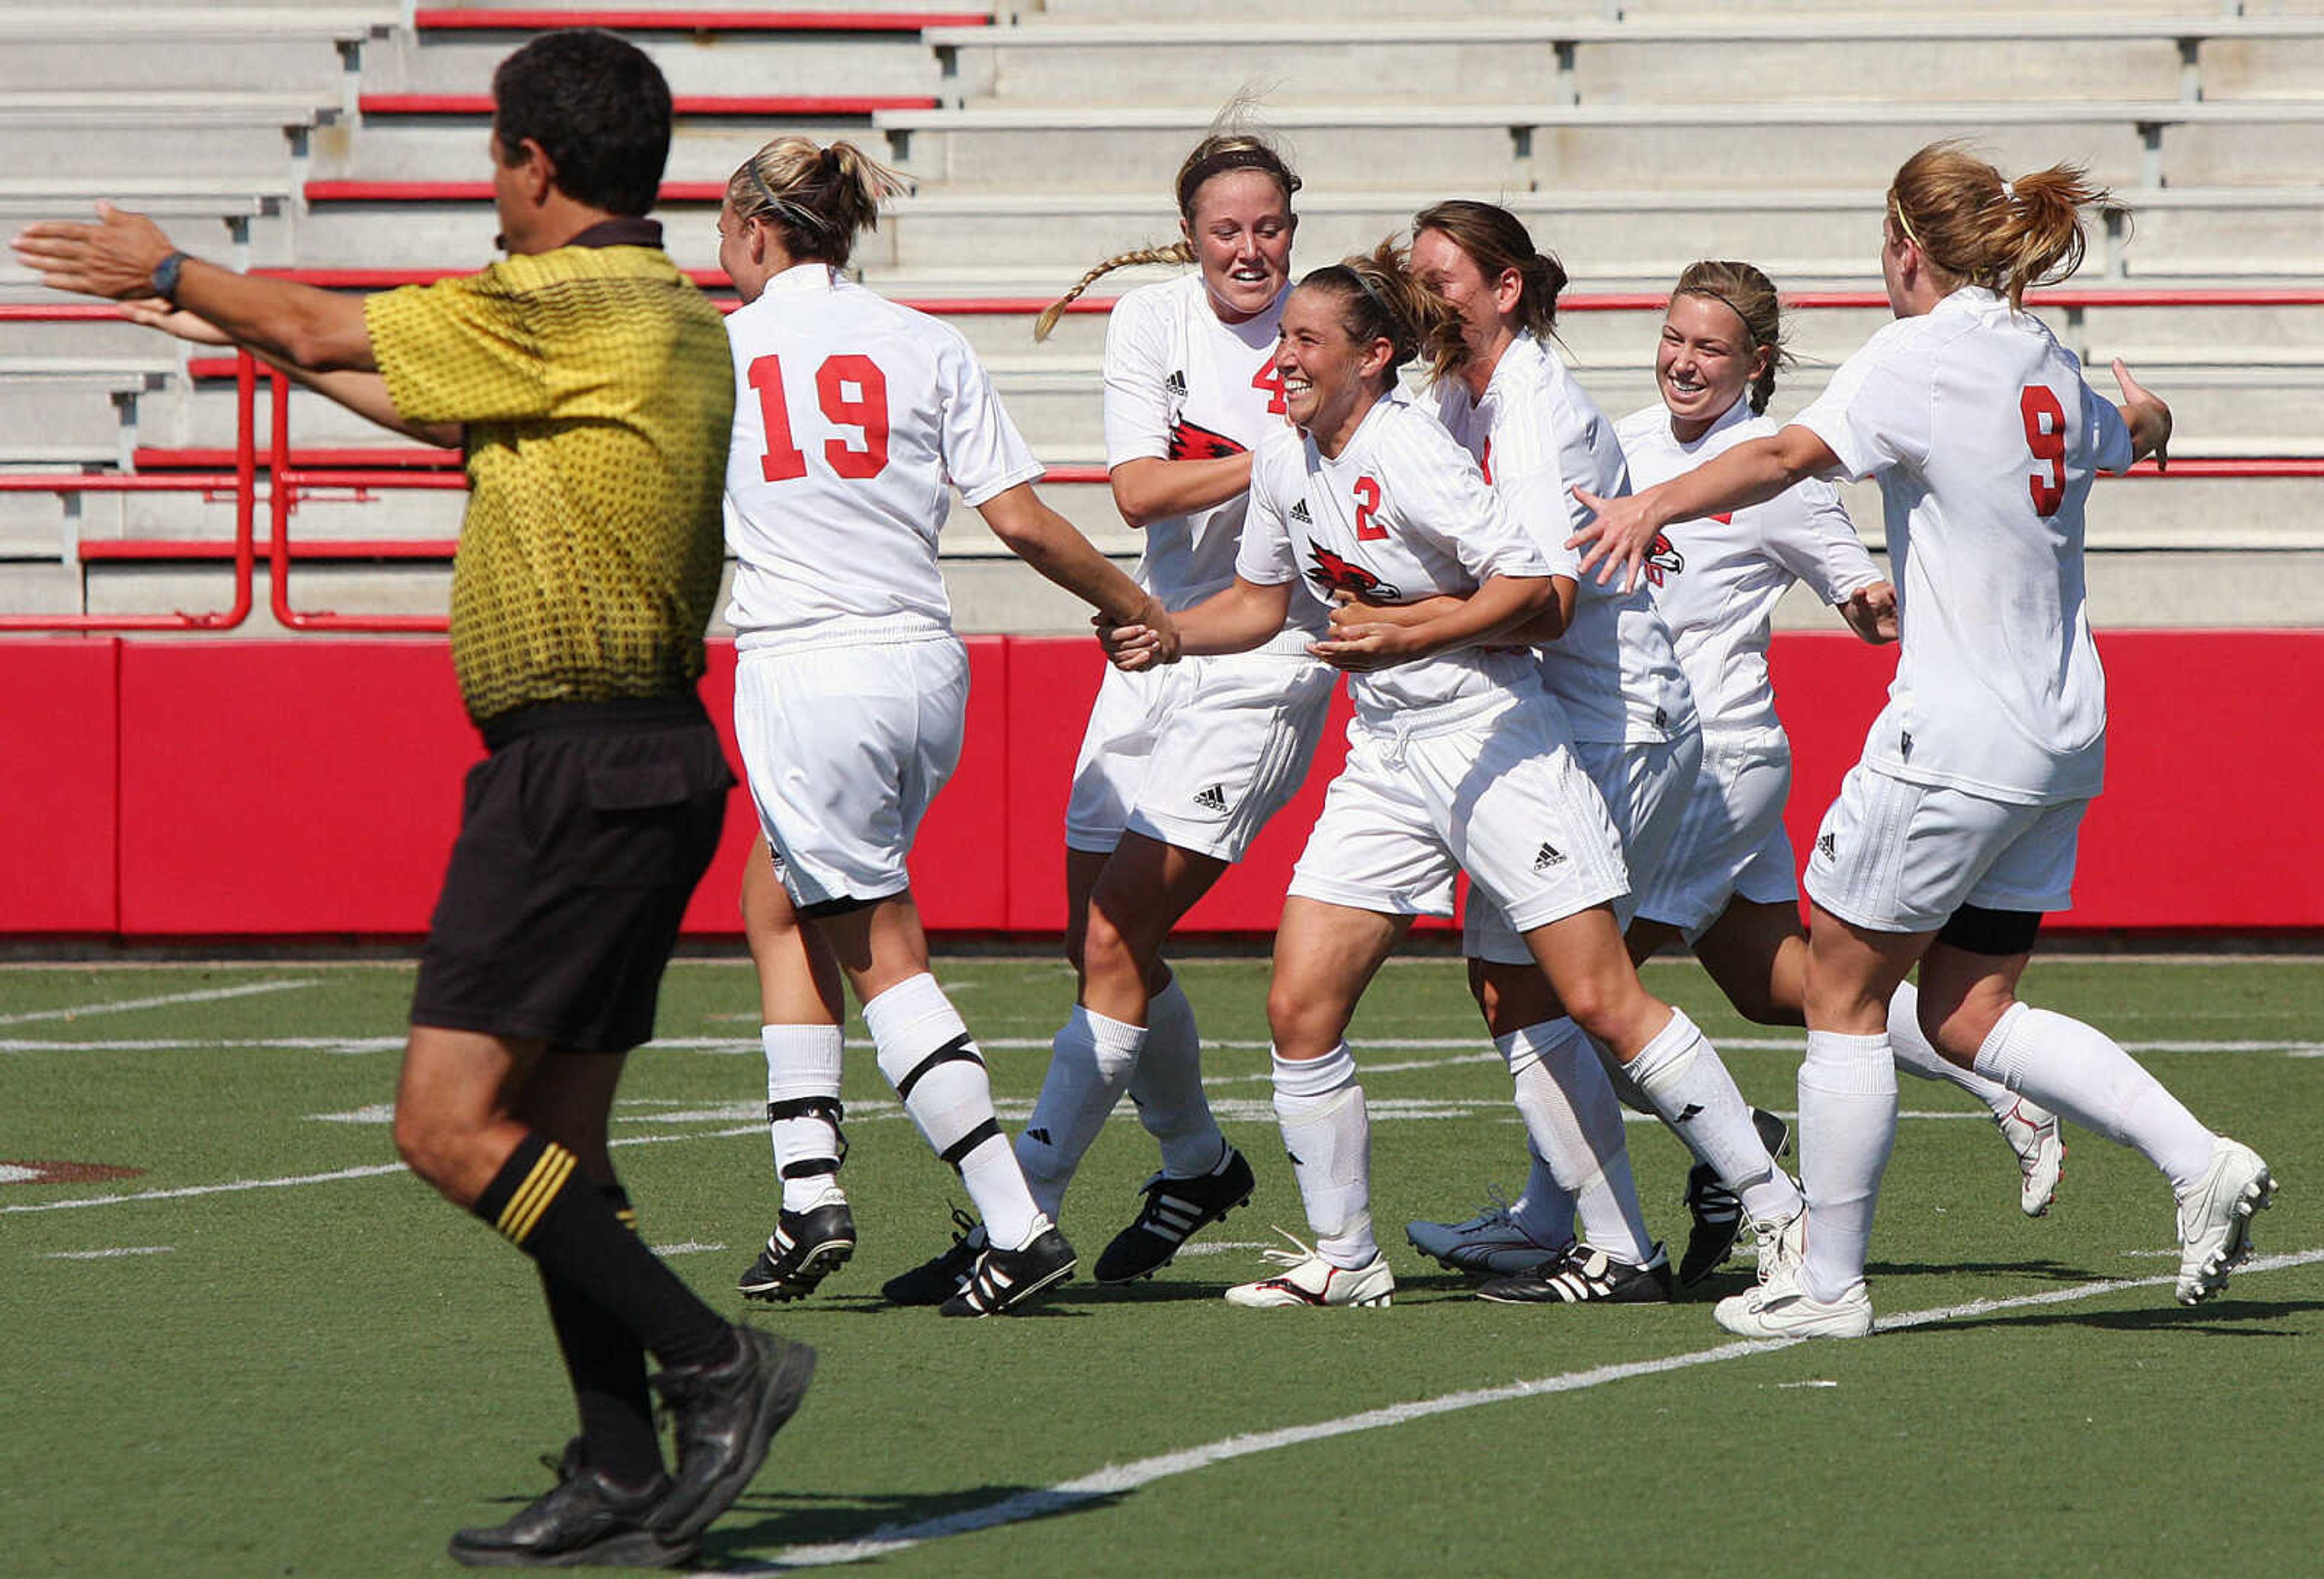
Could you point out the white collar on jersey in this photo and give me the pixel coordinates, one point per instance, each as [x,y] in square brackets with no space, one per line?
[807,276]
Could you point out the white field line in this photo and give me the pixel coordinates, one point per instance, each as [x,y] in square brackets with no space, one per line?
[1117,1479]
[106,1255]
[121,1005]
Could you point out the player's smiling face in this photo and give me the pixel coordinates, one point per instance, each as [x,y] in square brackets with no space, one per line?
[1327,375]
[1704,361]
[1241,236]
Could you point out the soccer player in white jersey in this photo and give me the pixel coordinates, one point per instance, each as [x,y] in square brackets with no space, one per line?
[855,418]
[1457,759]
[1727,885]
[1512,401]
[1957,830]
[1180,767]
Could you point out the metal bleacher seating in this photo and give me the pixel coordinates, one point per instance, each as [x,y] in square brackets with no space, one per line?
[345,144]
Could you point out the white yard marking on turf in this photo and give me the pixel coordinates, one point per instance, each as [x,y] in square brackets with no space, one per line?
[121,1005]
[1117,1479]
[1221,1246]
[232,1186]
[691,1247]
[104,1255]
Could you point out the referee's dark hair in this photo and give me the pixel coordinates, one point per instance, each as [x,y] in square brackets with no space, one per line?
[598,107]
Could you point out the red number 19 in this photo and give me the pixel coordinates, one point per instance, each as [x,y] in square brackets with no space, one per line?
[2045,436]
[865,409]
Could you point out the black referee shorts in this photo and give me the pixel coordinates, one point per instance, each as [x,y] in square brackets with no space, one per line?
[582,836]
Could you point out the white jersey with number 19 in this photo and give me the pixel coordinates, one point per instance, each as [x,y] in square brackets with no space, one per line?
[1986,441]
[853,420]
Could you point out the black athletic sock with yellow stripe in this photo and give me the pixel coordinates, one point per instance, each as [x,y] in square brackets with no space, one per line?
[608,1370]
[540,1204]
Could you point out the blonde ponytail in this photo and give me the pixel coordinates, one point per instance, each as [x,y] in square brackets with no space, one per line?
[1177,252]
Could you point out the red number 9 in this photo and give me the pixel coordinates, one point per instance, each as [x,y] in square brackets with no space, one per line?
[2045,436]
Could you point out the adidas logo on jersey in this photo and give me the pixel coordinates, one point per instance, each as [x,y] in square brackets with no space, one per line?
[1828,846]
[1213,799]
[1299,513]
[1551,855]
[1176,384]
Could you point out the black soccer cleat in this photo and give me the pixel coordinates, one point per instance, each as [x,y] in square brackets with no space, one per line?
[584,1521]
[1175,1209]
[806,1248]
[1582,1276]
[939,1277]
[1717,1214]
[1004,1279]
[723,1416]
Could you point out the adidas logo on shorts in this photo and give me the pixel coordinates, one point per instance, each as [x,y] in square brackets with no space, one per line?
[1551,855]
[1828,846]
[1176,384]
[1299,513]
[1213,799]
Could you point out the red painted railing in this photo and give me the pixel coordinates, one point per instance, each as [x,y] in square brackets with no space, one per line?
[293,474]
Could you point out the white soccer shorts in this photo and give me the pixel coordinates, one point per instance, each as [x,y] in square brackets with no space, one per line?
[1730,843]
[1494,792]
[1198,754]
[844,749]
[1898,857]
[1645,786]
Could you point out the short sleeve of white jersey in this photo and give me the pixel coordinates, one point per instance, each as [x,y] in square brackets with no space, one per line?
[2109,437]
[1265,556]
[983,453]
[1137,363]
[1877,412]
[1810,534]
[1447,491]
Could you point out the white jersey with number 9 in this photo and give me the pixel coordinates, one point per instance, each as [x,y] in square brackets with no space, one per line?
[855,418]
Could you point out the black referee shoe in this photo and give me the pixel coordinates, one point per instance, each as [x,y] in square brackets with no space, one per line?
[806,1248]
[1175,1209]
[584,1521]
[723,1417]
[1718,1215]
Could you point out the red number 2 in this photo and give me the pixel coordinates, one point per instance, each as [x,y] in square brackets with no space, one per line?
[2045,436]
[1269,382]
[866,410]
[1368,497]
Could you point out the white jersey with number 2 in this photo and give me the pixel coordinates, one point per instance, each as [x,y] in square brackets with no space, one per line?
[855,418]
[1985,440]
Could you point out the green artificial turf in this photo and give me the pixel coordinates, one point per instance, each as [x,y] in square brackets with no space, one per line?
[328,1375]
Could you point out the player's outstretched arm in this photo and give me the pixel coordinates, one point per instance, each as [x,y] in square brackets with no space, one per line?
[1622,532]
[363,393]
[1150,489]
[2147,418]
[1501,605]
[1235,619]
[1546,625]
[1055,547]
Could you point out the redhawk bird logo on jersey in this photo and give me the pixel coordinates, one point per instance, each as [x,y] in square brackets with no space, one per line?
[1193,441]
[1662,559]
[1335,574]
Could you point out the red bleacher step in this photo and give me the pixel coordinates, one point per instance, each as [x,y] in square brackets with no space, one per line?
[746,106]
[432,19]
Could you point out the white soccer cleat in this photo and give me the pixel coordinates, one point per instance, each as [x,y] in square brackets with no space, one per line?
[1490,1241]
[1781,1308]
[1308,1279]
[2031,1132]
[2215,1219]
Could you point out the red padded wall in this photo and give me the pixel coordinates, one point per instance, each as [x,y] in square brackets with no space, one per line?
[58,784]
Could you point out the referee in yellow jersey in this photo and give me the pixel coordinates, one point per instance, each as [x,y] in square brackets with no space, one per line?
[588,384]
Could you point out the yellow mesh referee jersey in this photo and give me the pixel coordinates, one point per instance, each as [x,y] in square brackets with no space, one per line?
[598,400]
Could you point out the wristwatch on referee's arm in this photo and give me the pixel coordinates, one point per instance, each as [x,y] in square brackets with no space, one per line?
[165,277]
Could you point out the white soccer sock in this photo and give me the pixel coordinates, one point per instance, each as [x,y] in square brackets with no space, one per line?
[1328,1132]
[1847,1124]
[1575,1125]
[1166,1086]
[2079,1072]
[1090,1061]
[1545,1208]
[927,1055]
[803,1066]
[1680,1074]
[1916,1055]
